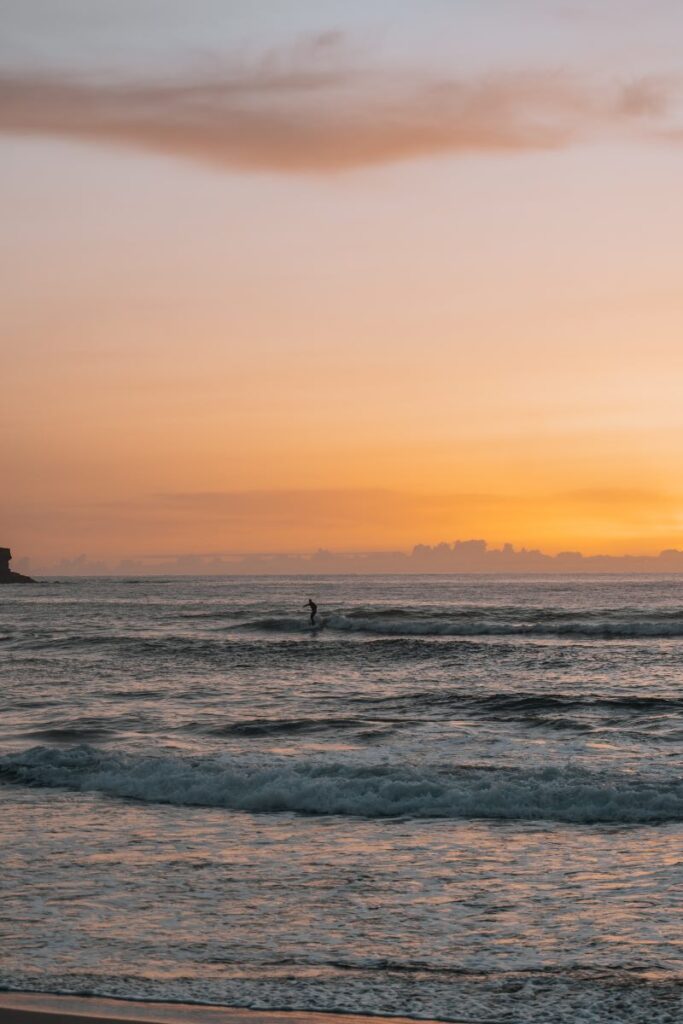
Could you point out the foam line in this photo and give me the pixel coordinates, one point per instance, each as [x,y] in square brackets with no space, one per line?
[369,790]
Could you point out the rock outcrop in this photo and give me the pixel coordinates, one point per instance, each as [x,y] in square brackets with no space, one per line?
[6,574]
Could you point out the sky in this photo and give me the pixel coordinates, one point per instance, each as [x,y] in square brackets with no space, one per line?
[282,275]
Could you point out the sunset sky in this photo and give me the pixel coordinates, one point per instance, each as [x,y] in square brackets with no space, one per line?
[287,274]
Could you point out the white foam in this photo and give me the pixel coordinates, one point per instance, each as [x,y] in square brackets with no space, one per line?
[348,788]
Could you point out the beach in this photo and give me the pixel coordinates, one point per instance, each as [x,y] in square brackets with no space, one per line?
[26,1008]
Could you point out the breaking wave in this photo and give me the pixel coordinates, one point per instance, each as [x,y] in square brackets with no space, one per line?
[567,794]
[472,622]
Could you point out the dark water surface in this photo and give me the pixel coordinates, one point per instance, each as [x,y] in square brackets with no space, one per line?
[459,797]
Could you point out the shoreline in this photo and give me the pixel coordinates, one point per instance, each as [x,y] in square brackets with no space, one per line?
[49,1008]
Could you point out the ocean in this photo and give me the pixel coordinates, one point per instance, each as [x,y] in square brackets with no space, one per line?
[460,797]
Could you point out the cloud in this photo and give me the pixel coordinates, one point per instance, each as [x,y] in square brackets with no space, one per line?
[672,135]
[317,509]
[628,506]
[645,97]
[310,110]
[348,503]
[261,531]
[470,556]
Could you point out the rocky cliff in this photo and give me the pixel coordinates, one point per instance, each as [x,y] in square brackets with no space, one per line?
[6,574]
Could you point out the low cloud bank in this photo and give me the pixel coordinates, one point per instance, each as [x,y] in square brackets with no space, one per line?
[471,556]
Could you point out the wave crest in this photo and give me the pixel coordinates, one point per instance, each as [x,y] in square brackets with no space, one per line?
[606,624]
[567,794]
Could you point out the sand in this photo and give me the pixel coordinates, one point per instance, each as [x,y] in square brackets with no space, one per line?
[30,1008]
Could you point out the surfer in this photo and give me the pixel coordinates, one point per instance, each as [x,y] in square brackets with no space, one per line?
[314,610]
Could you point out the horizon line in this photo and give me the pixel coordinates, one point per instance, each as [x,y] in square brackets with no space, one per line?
[469,557]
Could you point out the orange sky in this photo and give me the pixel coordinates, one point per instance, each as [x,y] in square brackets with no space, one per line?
[340,288]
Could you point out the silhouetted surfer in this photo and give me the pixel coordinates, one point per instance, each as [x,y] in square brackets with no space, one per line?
[314,610]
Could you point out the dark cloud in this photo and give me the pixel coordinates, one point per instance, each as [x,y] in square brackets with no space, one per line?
[310,110]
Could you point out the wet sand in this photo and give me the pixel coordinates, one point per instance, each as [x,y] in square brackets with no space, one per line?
[31,1008]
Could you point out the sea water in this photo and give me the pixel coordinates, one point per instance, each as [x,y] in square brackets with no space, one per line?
[458,797]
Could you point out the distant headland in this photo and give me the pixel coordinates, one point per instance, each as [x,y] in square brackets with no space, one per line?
[6,574]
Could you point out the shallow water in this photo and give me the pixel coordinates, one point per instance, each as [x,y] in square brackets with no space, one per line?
[457,797]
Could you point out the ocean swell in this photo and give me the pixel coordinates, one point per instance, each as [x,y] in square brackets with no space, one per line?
[567,794]
[605,624]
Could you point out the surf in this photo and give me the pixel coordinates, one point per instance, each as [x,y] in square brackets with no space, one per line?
[567,794]
[598,624]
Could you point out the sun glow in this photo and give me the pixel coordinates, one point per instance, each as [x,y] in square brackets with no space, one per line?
[245,338]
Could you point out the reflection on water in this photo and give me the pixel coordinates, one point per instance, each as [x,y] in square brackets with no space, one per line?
[425,812]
